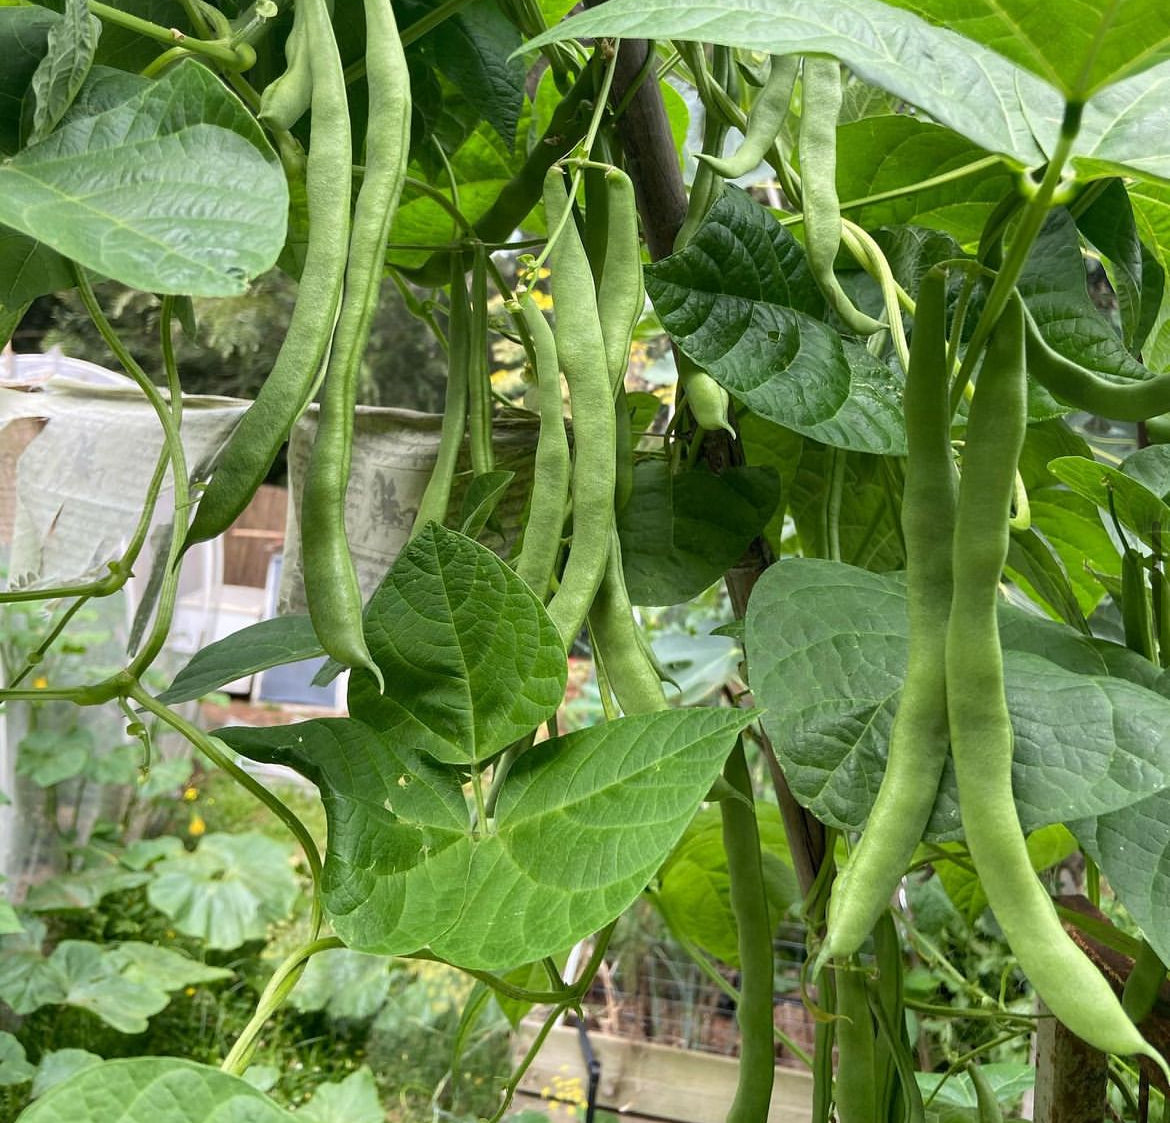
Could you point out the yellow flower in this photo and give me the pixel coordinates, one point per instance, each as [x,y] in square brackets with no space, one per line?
[541,299]
[40,682]
[197,826]
[191,794]
[190,992]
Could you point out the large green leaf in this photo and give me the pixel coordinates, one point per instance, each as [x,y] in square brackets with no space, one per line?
[1151,207]
[270,643]
[1089,46]
[959,83]
[680,534]
[113,192]
[740,301]
[694,890]
[14,1067]
[227,891]
[71,47]
[1137,507]
[826,649]
[24,39]
[1132,848]
[154,1090]
[1054,288]
[123,984]
[472,50]
[886,155]
[580,827]
[464,646]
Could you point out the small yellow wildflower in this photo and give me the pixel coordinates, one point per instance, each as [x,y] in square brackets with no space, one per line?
[189,992]
[40,682]
[191,794]
[541,299]
[197,826]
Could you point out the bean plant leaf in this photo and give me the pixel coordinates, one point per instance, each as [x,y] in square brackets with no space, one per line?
[464,646]
[680,534]
[343,983]
[1136,506]
[1046,847]
[1151,210]
[472,50]
[58,1066]
[352,1100]
[882,155]
[1150,466]
[1091,46]
[1054,289]
[580,827]
[154,1090]
[270,643]
[959,83]
[14,1067]
[1009,1080]
[1132,848]
[694,890]
[227,891]
[1109,226]
[72,43]
[481,499]
[24,39]
[112,192]
[740,301]
[826,650]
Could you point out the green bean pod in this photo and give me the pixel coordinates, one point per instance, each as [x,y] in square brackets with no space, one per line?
[1136,617]
[766,119]
[257,438]
[749,903]
[889,996]
[705,398]
[437,496]
[918,738]
[581,352]
[287,98]
[331,585]
[621,293]
[821,100]
[550,485]
[632,675]
[1075,385]
[479,386]
[981,731]
[986,1101]
[855,1087]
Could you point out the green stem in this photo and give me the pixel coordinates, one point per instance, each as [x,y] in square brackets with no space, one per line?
[749,903]
[284,978]
[38,654]
[216,51]
[1032,216]
[526,1061]
[210,749]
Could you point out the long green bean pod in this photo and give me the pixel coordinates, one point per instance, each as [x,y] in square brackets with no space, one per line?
[479,386]
[331,585]
[288,97]
[550,483]
[855,1087]
[257,438]
[821,106]
[632,676]
[621,293]
[437,496]
[981,731]
[1077,386]
[581,352]
[987,1103]
[888,994]
[766,119]
[918,738]
[749,903]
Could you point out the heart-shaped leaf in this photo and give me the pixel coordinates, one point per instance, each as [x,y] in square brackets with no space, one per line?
[113,192]
[826,648]
[154,1090]
[464,645]
[580,827]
